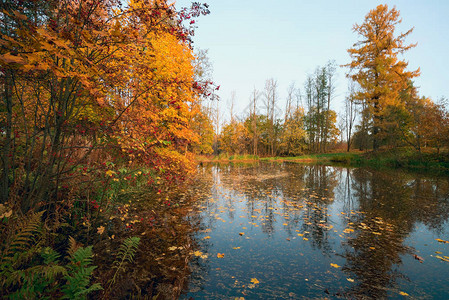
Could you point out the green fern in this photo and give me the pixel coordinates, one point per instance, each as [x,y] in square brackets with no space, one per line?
[79,273]
[28,271]
[125,255]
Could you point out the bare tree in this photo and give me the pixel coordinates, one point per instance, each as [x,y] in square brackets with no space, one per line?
[253,113]
[270,94]
[331,68]
[350,113]
[231,106]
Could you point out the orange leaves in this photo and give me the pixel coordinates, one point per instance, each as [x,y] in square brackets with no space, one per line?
[442,241]
[107,79]
[255,281]
[9,58]
[375,65]
[335,265]
[157,121]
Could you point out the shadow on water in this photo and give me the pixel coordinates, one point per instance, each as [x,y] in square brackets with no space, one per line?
[289,231]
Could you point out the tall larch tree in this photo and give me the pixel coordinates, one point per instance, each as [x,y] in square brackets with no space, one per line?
[376,66]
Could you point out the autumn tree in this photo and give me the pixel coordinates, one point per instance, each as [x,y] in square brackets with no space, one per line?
[293,135]
[377,68]
[92,77]
[234,138]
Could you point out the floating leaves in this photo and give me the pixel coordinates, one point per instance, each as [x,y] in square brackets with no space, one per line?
[442,241]
[443,258]
[200,254]
[255,281]
[298,224]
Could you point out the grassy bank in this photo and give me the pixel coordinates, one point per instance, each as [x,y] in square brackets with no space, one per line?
[403,158]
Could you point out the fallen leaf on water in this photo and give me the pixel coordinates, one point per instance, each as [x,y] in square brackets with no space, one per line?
[241,233]
[350,279]
[442,241]
[335,265]
[446,258]
[418,258]
[254,280]
[403,294]
[235,248]
[207,237]
[220,255]
[197,253]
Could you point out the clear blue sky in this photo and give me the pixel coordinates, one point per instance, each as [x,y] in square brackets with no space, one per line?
[250,41]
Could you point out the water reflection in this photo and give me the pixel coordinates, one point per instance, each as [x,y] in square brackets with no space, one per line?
[319,231]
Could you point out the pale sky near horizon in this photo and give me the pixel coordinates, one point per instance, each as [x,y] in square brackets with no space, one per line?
[251,41]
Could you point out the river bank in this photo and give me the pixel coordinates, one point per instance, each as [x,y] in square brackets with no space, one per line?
[406,159]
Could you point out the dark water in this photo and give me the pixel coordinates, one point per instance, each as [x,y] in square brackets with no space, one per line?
[290,231]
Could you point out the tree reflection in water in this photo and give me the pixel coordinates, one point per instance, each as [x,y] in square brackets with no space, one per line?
[358,217]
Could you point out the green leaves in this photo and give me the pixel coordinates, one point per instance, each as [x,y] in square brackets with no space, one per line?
[79,274]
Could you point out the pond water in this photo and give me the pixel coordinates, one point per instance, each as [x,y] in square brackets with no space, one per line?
[289,231]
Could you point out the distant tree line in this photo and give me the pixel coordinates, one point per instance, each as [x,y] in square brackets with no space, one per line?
[382,108]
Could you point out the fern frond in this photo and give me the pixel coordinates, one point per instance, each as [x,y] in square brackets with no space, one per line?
[79,273]
[125,254]
[73,246]
[127,250]
[24,238]
[82,257]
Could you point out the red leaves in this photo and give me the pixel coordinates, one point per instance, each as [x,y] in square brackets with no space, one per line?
[418,258]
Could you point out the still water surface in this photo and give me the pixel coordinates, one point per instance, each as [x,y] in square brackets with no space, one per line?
[290,231]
